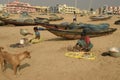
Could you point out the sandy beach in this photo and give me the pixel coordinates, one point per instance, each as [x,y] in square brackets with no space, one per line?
[48,61]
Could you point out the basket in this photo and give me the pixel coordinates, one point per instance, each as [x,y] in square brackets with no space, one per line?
[114,49]
[23,32]
[114,52]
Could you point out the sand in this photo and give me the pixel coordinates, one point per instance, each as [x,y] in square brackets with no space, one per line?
[48,61]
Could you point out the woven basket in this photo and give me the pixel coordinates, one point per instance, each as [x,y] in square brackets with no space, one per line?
[114,49]
[23,32]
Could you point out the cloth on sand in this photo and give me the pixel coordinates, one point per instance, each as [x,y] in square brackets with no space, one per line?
[81,55]
[34,41]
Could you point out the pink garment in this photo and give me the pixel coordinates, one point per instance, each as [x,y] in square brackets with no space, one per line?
[87,39]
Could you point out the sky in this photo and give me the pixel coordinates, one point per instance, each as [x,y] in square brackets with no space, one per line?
[81,4]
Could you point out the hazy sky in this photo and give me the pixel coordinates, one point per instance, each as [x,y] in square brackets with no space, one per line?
[81,4]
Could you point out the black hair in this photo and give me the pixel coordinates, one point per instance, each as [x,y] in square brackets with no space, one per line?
[83,34]
[35,28]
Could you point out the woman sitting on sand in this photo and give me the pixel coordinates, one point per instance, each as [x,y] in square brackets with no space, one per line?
[84,43]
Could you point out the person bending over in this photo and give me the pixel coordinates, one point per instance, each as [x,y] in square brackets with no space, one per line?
[84,43]
[37,33]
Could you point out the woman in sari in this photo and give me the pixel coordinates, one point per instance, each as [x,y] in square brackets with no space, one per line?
[84,43]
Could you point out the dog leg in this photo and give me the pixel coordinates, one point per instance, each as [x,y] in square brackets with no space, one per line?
[4,65]
[15,67]
[18,67]
[1,66]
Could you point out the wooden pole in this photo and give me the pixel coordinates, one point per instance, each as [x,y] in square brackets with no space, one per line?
[90,4]
[75,3]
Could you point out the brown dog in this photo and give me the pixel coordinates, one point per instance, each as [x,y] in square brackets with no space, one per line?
[14,59]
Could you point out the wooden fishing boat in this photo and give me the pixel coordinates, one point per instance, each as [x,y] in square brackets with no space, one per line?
[24,21]
[75,34]
[117,22]
[54,17]
[2,23]
[97,18]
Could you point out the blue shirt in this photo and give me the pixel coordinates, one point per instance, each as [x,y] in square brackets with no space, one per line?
[37,33]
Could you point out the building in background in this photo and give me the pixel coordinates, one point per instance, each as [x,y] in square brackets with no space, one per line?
[64,9]
[111,10]
[18,7]
[42,9]
[1,7]
[53,9]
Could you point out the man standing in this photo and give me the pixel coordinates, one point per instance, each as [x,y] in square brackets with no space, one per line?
[74,17]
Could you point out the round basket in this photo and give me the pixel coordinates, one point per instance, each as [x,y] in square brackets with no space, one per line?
[114,49]
[23,32]
[114,52]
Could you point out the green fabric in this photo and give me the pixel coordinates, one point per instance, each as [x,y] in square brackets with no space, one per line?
[83,44]
[90,46]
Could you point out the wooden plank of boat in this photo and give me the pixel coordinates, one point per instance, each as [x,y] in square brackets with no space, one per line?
[55,26]
[66,26]
[73,34]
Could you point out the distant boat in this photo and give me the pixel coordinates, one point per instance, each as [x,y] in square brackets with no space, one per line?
[101,17]
[24,21]
[75,34]
[54,17]
[117,22]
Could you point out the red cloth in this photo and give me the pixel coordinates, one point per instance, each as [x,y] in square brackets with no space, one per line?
[87,39]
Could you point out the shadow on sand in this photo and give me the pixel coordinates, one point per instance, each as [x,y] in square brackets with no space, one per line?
[20,67]
[105,54]
[18,45]
[58,39]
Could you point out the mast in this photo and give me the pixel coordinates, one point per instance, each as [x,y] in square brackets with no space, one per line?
[90,4]
[75,3]
[75,6]
[8,1]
